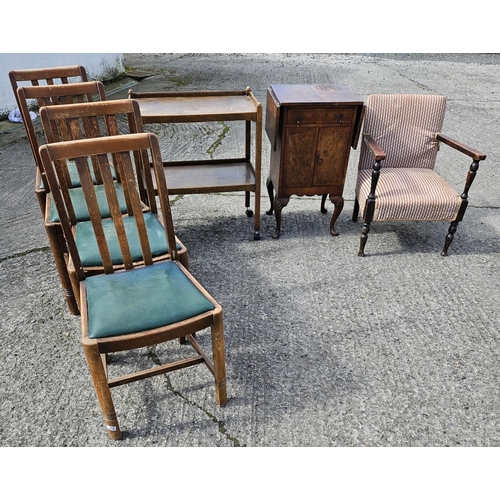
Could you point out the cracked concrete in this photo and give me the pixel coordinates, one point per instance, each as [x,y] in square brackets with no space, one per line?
[324,349]
[218,142]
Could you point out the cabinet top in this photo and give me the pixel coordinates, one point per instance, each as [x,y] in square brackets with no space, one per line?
[320,93]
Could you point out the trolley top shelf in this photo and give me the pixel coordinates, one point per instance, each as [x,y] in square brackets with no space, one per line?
[177,107]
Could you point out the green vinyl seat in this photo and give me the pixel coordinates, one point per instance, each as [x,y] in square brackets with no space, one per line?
[74,177]
[141,299]
[80,205]
[87,244]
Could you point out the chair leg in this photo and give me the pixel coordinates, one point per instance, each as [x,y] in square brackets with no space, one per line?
[449,238]
[355,211]
[98,373]
[75,282]
[62,270]
[219,360]
[364,237]
[184,260]
[322,208]
[367,219]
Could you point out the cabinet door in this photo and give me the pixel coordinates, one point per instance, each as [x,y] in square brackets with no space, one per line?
[298,156]
[331,156]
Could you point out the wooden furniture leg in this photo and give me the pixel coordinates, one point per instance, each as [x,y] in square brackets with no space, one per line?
[270,191]
[217,331]
[62,271]
[355,211]
[279,205]
[323,201]
[98,373]
[338,202]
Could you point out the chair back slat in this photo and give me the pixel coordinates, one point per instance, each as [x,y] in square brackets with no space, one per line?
[127,149]
[161,183]
[87,184]
[65,185]
[130,187]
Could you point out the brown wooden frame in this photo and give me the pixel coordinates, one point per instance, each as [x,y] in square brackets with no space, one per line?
[52,95]
[130,147]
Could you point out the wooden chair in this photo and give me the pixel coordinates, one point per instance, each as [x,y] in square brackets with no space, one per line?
[144,304]
[51,95]
[40,77]
[93,120]
[403,132]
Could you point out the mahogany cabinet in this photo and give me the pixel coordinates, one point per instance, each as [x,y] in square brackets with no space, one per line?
[311,129]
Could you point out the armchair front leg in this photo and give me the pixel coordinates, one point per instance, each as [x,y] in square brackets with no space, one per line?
[370,208]
[378,155]
[471,174]
[476,156]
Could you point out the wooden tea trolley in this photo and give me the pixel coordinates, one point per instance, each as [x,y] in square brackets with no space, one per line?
[210,176]
[311,129]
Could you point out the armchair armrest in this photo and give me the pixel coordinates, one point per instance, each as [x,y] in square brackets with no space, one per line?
[377,152]
[473,153]
[471,174]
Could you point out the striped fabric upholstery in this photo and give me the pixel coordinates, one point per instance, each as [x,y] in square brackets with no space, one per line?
[409,194]
[405,127]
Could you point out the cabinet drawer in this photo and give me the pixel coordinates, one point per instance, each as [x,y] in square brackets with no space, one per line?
[319,116]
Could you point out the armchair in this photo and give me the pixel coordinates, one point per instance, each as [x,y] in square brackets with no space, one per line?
[396,178]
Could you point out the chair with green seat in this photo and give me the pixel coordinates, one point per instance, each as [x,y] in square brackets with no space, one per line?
[145,303]
[52,95]
[94,120]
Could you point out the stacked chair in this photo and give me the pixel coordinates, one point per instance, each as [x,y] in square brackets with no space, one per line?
[43,77]
[102,191]
[84,121]
[44,85]
[145,303]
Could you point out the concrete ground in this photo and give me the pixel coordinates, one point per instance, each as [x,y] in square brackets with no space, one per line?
[324,349]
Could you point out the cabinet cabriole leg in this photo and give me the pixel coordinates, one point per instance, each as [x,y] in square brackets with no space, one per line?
[338,202]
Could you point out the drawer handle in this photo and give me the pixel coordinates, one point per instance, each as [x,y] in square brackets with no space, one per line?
[341,118]
[298,119]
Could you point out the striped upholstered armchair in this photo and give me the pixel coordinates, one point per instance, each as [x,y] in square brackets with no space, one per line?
[396,178]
